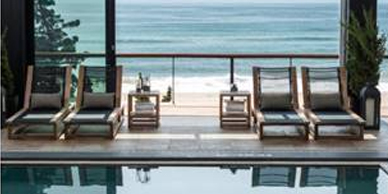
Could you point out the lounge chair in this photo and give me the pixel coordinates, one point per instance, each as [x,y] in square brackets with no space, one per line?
[326,101]
[98,101]
[275,99]
[46,102]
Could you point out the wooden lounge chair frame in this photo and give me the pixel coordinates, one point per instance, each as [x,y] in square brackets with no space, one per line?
[114,120]
[259,119]
[15,131]
[345,100]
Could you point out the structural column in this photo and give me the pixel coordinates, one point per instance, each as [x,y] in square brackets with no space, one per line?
[17,19]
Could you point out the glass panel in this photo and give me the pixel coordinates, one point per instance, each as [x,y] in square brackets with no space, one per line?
[382,22]
[69,26]
[184,26]
[215,27]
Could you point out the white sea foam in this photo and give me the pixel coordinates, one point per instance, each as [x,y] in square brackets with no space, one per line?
[208,84]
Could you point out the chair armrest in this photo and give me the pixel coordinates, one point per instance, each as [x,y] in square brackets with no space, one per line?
[71,116]
[253,112]
[62,114]
[11,119]
[302,115]
[116,112]
[355,116]
[312,116]
[259,116]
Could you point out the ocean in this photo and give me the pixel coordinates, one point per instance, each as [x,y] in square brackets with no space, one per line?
[209,28]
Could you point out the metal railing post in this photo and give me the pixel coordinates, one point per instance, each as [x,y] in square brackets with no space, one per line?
[231,70]
[290,59]
[173,80]
[231,74]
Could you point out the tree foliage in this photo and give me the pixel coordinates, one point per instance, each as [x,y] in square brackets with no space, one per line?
[51,35]
[50,29]
[366,49]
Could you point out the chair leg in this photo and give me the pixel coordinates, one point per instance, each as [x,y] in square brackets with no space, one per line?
[361,133]
[261,131]
[55,131]
[307,130]
[10,131]
[316,132]
[114,128]
[112,131]
[68,132]
[129,123]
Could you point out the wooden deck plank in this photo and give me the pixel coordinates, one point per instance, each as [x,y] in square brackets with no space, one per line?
[195,138]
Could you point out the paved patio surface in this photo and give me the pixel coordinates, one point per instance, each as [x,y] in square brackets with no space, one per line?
[196,138]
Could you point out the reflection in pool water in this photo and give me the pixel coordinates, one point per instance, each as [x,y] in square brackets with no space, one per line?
[178,180]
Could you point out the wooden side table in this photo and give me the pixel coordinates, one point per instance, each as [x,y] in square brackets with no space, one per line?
[143,119]
[235,119]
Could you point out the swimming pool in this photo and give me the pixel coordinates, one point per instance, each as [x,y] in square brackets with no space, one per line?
[86,179]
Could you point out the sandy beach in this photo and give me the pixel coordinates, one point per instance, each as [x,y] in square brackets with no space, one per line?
[205,104]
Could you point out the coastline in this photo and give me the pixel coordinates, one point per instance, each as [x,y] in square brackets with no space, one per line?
[207,104]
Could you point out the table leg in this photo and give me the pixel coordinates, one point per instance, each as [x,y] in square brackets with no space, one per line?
[157,111]
[129,111]
[221,109]
[249,110]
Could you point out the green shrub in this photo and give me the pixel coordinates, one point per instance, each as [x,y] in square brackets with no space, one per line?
[365,52]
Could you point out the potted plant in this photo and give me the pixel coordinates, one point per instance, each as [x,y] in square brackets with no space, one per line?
[365,53]
[167,97]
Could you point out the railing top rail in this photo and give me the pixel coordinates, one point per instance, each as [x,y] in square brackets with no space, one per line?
[191,55]
[224,55]
[197,55]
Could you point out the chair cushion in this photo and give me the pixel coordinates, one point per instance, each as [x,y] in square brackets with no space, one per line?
[46,101]
[335,117]
[326,101]
[92,116]
[37,116]
[275,101]
[98,100]
[282,117]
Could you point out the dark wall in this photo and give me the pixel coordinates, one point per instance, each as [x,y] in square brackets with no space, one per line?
[17,19]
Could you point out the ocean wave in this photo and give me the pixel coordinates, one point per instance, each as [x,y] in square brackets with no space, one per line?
[289,38]
[223,39]
[212,84]
[151,41]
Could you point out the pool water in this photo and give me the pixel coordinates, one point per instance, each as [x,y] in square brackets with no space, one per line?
[196,180]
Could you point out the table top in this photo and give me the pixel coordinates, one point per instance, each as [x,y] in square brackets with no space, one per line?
[150,93]
[237,93]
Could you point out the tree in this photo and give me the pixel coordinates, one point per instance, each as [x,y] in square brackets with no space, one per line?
[51,35]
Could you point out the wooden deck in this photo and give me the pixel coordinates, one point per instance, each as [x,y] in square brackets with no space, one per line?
[195,139]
